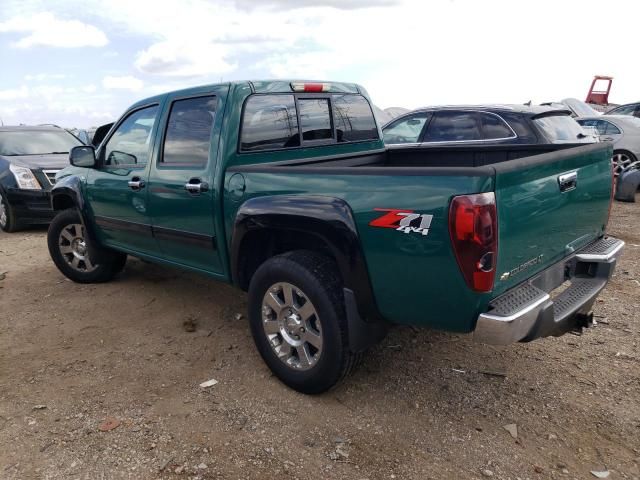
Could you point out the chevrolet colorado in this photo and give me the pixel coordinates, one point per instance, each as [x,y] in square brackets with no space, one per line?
[286,190]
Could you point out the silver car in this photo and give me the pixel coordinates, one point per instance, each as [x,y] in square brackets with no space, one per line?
[623,131]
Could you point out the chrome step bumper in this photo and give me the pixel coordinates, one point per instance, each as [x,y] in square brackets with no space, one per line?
[529,311]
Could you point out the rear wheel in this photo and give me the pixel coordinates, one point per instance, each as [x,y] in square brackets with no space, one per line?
[69,250]
[298,321]
[621,159]
[8,221]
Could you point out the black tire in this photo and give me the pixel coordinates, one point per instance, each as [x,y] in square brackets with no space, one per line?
[74,266]
[8,222]
[317,279]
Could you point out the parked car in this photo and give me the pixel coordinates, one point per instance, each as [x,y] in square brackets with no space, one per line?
[623,131]
[578,107]
[632,109]
[286,190]
[496,124]
[29,159]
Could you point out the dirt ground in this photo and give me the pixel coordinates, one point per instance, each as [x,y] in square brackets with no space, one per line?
[423,405]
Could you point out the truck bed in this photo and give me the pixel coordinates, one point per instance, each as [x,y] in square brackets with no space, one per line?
[431,156]
[539,224]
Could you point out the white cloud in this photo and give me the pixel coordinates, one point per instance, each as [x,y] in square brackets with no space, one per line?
[126,82]
[39,77]
[173,58]
[89,88]
[14,93]
[294,4]
[45,29]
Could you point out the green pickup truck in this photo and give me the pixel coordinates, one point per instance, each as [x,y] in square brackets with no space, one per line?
[286,190]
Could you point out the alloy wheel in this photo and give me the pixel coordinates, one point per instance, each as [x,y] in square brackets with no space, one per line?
[73,247]
[292,326]
[3,213]
[620,162]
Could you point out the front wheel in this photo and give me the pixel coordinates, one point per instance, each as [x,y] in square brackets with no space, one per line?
[69,250]
[298,321]
[8,221]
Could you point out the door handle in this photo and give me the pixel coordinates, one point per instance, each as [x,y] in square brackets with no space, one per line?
[195,186]
[568,181]
[136,183]
[606,139]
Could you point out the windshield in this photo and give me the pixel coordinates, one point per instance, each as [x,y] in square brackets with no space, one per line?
[36,142]
[562,129]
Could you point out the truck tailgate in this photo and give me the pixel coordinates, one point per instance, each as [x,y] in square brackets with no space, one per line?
[548,206]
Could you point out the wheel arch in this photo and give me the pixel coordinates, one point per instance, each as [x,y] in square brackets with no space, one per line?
[271,225]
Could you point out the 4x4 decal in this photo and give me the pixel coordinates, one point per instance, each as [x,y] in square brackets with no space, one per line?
[406,221]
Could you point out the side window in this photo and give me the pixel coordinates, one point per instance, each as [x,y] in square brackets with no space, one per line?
[269,122]
[610,129]
[453,127]
[353,118]
[131,143]
[189,129]
[623,110]
[315,119]
[494,128]
[406,130]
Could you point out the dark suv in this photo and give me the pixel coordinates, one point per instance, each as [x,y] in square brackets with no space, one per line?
[495,124]
[30,157]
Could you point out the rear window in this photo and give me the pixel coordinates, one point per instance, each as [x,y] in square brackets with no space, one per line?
[353,119]
[315,119]
[270,122]
[561,129]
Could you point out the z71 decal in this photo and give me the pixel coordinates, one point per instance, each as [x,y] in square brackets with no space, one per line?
[405,221]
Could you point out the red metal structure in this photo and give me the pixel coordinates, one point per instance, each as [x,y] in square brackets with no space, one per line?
[600,96]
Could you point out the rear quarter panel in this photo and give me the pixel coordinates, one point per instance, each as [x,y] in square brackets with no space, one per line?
[415,278]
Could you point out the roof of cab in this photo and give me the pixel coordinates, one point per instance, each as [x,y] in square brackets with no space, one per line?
[258,86]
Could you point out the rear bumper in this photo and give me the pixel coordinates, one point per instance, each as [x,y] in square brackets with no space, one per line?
[31,206]
[538,308]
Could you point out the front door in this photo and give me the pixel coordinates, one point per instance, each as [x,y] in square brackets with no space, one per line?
[182,191]
[117,191]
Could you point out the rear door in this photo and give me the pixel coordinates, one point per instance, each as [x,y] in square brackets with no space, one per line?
[183,200]
[548,206]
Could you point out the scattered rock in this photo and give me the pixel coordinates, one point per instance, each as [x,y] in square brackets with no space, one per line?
[190,324]
[600,474]
[512,428]
[538,469]
[39,407]
[552,436]
[238,316]
[179,470]
[203,466]
[487,473]
[109,424]
[208,383]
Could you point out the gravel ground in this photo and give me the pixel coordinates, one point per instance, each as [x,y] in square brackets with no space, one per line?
[102,381]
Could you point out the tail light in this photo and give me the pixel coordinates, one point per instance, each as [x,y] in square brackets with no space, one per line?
[473,226]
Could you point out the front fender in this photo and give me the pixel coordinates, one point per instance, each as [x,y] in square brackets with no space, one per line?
[68,189]
[329,219]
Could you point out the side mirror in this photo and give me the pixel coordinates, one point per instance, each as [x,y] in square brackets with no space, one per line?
[83,156]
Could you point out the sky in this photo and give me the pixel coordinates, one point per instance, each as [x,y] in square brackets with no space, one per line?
[82,63]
